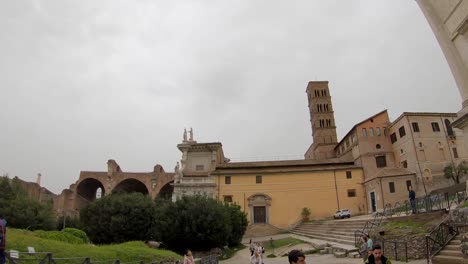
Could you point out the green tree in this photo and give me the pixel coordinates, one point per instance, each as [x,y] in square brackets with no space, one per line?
[197,222]
[21,211]
[7,193]
[456,172]
[238,222]
[118,218]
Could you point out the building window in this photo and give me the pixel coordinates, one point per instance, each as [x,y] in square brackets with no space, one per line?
[227,180]
[408,184]
[349,175]
[364,132]
[199,167]
[385,131]
[393,138]
[402,131]
[378,131]
[455,153]
[258,179]
[228,199]
[449,128]
[435,127]
[352,193]
[378,146]
[415,127]
[420,145]
[404,164]
[371,132]
[380,161]
[391,186]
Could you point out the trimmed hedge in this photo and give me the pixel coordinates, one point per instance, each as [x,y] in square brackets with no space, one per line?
[72,236]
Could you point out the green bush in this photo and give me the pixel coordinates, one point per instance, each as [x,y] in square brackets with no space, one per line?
[198,223]
[59,236]
[238,222]
[77,233]
[118,217]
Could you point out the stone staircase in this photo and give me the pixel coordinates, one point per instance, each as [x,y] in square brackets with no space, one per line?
[451,254]
[339,231]
[261,230]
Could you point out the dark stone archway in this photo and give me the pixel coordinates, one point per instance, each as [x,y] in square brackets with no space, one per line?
[166,191]
[88,187]
[131,185]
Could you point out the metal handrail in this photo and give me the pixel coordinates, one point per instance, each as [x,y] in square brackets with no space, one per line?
[368,227]
[395,244]
[439,237]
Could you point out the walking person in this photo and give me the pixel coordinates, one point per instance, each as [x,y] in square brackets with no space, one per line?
[377,257]
[251,248]
[363,249]
[3,224]
[256,258]
[188,257]
[370,243]
[296,257]
[412,198]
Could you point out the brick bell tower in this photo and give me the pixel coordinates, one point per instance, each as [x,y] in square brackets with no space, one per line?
[322,120]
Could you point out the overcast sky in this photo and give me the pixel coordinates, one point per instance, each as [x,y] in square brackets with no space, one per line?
[82,82]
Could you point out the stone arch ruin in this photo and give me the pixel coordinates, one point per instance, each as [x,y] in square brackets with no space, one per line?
[92,183]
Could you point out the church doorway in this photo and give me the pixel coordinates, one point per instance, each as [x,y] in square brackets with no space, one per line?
[259,208]
[259,215]
[372,200]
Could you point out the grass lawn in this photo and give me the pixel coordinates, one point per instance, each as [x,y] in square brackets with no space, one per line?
[18,239]
[397,227]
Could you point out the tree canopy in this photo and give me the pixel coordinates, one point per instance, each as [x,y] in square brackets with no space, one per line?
[198,222]
[456,172]
[118,217]
[20,210]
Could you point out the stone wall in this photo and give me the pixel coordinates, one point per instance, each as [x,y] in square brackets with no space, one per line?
[415,247]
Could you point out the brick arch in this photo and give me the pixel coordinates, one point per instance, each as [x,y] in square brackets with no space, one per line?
[166,190]
[131,185]
[83,191]
[87,188]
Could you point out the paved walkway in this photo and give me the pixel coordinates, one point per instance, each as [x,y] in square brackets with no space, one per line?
[243,255]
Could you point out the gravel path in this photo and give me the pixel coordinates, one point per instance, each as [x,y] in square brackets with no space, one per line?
[242,257]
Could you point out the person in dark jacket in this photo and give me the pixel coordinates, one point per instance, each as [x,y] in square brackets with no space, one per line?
[296,257]
[412,198]
[377,257]
[3,224]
